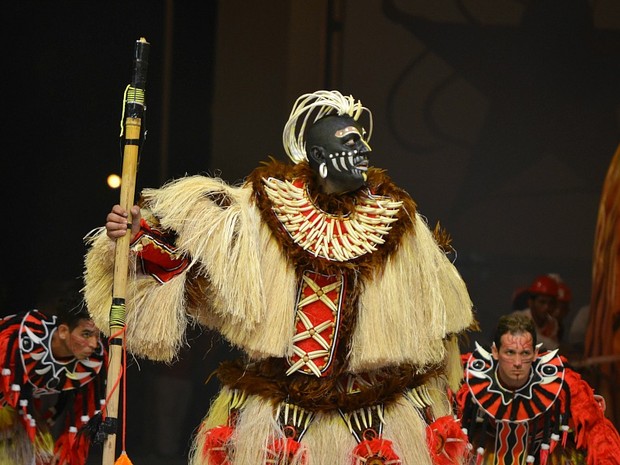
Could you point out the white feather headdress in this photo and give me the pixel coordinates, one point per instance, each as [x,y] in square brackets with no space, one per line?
[310,108]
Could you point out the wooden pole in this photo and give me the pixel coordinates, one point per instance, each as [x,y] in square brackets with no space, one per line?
[134,111]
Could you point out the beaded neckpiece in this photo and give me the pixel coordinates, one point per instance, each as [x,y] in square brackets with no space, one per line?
[333,237]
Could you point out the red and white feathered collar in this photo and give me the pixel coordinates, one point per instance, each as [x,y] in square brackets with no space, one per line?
[334,237]
[536,397]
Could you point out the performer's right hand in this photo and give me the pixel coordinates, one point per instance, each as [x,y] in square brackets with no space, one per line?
[116,222]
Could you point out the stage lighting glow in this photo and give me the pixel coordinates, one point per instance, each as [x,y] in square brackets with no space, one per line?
[114,181]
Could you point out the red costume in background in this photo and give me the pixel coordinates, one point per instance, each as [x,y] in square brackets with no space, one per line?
[29,373]
[553,418]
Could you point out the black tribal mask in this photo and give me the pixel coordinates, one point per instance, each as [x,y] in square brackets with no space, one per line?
[338,153]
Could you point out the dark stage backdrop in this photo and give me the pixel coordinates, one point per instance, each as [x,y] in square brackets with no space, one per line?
[500,117]
[65,67]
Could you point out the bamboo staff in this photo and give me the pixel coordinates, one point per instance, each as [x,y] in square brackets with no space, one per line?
[134,108]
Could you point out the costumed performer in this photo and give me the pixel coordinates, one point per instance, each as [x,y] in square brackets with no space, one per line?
[542,303]
[519,406]
[328,279]
[52,383]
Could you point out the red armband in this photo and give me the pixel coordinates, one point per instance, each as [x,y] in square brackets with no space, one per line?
[158,257]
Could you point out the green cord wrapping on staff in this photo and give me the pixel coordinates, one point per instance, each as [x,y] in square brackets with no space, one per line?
[131,130]
[117,313]
[136,95]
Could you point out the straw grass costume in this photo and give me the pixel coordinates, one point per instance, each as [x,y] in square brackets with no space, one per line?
[346,307]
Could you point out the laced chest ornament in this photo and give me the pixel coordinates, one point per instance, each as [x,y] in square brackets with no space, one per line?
[317,323]
[336,238]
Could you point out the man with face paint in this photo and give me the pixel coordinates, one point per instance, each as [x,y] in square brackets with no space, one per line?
[338,152]
[49,355]
[519,406]
[324,274]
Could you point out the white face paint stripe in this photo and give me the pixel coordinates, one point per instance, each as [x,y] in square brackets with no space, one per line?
[335,163]
[343,163]
[350,160]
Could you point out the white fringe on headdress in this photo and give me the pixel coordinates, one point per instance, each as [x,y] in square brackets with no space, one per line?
[417,299]
[312,107]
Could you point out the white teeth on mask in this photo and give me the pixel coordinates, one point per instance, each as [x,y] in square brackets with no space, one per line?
[335,163]
[350,159]
[343,163]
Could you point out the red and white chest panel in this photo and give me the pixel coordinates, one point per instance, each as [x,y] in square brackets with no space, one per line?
[317,321]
